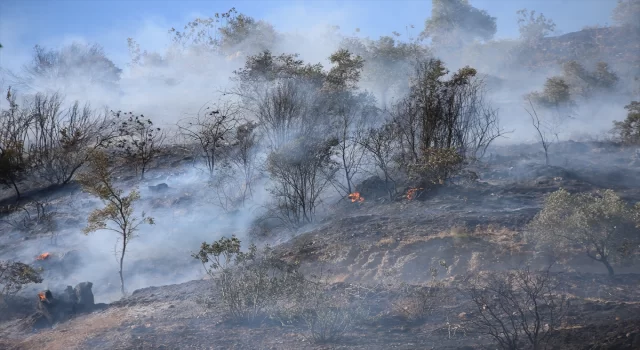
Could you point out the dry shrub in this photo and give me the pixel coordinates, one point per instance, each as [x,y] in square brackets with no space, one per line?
[505,238]
[436,167]
[329,315]
[253,285]
[419,303]
[518,309]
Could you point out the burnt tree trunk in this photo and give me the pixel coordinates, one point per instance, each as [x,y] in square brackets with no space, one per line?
[608,266]
[124,248]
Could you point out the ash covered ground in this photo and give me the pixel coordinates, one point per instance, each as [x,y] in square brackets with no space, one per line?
[276,182]
[375,248]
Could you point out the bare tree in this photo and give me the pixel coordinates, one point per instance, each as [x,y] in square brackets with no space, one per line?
[541,129]
[284,112]
[283,94]
[118,213]
[533,29]
[517,307]
[442,114]
[301,170]
[483,131]
[138,140]
[60,139]
[380,144]
[349,120]
[407,123]
[209,130]
[14,128]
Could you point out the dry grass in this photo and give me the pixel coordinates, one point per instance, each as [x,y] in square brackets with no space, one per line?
[73,334]
[385,241]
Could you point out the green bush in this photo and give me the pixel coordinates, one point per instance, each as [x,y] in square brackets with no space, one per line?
[253,285]
[602,225]
[14,276]
[628,131]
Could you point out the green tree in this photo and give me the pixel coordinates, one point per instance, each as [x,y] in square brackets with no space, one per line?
[283,94]
[345,73]
[628,130]
[585,83]
[602,225]
[244,33]
[118,213]
[72,62]
[457,22]
[14,276]
[556,93]
[627,12]
[533,29]
[387,62]
[201,34]
[561,93]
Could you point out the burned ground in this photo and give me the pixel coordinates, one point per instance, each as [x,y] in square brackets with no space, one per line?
[378,250]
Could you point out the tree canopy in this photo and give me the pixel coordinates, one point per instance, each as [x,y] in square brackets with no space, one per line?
[456,22]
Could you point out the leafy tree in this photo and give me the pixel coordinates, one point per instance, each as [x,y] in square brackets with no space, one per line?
[627,12]
[138,140]
[602,225]
[223,33]
[201,34]
[555,94]
[283,93]
[346,71]
[561,93]
[533,28]
[14,276]
[244,33]
[387,62]
[72,62]
[118,212]
[585,83]
[13,167]
[455,22]
[628,130]
[266,67]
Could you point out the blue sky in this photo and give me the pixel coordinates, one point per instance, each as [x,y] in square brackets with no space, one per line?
[24,23]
